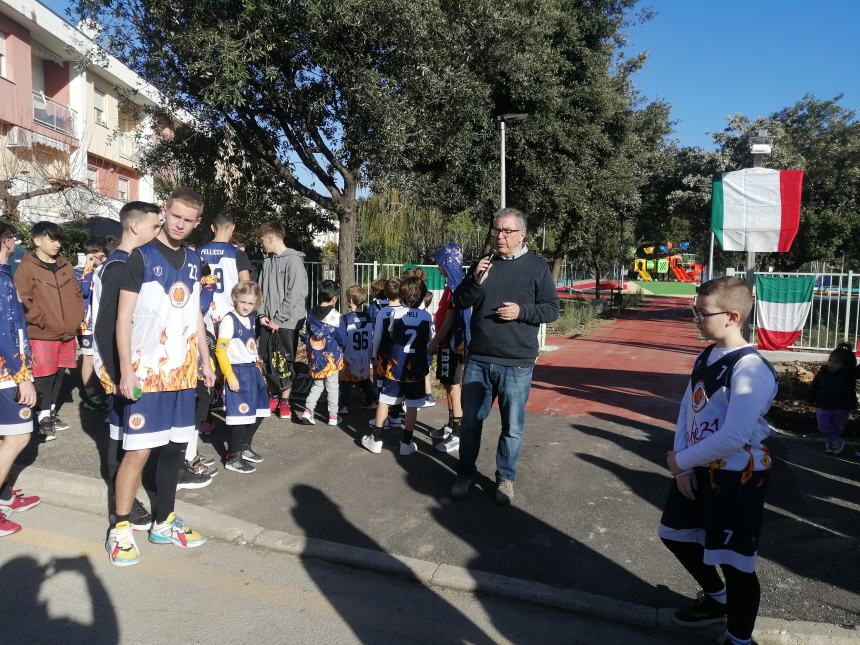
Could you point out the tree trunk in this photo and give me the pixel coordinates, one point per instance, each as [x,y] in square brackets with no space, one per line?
[597,281]
[558,259]
[348,229]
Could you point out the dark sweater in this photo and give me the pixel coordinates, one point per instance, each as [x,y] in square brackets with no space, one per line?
[834,390]
[525,281]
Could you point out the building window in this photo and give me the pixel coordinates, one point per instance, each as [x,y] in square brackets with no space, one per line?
[3,54]
[92,177]
[123,189]
[99,107]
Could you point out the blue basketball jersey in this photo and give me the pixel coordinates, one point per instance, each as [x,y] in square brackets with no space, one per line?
[410,330]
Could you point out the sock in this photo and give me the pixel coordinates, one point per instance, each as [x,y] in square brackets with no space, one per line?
[122,518]
[734,640]
[719,596]
[455,424]
[43,414]
[6,491]
[377,433]
[407,436]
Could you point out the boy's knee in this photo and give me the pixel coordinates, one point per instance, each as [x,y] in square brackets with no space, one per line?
[136,457]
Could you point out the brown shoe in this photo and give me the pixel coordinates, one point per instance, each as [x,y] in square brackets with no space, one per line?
[504,492]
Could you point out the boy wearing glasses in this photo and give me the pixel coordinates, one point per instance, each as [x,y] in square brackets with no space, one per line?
[720,467]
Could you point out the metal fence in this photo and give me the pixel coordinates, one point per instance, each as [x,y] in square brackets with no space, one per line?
[835,314]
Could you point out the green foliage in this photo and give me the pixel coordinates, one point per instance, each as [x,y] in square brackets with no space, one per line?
[576,316]
[73,242]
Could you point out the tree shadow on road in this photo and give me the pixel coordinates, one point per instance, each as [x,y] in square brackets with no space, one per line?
[26,619]
[416,622]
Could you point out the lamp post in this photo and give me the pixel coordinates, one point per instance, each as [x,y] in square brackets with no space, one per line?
[502,119]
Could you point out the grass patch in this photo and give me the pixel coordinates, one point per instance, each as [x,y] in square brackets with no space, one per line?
[577,317]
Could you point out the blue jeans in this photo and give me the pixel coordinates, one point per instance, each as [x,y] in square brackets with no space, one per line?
[482,384]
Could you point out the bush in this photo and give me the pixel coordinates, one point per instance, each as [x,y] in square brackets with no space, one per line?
[576,315]
[73,242]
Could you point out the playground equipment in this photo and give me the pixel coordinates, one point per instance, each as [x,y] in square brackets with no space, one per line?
[678,266]
[685,269]
[639,266]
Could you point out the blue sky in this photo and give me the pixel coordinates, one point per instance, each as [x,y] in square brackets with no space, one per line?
[710,60]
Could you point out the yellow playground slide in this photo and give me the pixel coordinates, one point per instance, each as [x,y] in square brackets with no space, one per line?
[639,267]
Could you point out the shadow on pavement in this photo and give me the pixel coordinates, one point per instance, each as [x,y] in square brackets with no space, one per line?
[25,618]
[312,508]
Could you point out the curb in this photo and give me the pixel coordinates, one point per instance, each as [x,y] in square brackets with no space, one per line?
[88,494]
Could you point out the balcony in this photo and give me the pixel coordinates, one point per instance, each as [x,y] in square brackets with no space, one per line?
[127,147]
[52,114]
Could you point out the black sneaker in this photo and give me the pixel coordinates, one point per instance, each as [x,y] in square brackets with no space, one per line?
[59,424]
[249,454]
[199,466]
[140,518]
[239,465]
[704,611]
[189,479]
[47,429]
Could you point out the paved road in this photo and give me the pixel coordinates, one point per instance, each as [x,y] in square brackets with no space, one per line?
[59,587]
[588,497]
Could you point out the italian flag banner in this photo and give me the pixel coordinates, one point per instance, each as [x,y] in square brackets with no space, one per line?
[782,306]
[756,209]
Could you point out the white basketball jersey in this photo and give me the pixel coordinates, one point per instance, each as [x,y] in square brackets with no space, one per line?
[221,258]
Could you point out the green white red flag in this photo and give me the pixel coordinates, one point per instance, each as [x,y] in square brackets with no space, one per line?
[782,305]
[756,209]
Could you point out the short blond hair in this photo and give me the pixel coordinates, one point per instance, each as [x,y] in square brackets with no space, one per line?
[731,293]
[245,288]
[187,196]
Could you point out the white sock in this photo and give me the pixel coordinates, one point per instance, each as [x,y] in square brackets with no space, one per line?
[43,414]
[734,640]
[191,449]
[719,596]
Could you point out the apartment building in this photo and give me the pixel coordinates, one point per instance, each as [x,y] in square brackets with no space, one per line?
[63,123]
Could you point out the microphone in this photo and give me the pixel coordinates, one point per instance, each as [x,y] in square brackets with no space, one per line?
[480,274]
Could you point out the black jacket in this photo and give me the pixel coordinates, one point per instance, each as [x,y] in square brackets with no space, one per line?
[834,390]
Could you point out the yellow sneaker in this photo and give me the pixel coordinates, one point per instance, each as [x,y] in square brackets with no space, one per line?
[173,531]
[121,547]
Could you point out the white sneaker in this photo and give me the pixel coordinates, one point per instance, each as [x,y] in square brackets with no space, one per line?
[308,418]
[121,547]
[373,446]
[333,421]
[343,410]
[441,433]
[449,444]
[407,449]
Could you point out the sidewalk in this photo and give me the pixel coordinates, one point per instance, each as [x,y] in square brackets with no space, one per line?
[589,492]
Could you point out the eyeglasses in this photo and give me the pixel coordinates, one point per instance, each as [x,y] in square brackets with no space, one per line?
[499,232]
[699,315]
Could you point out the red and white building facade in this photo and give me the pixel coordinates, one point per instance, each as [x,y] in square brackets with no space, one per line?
[61,119]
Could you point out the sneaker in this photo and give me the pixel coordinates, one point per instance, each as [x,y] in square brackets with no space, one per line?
[451,443]
[461,486]
[139,518]
[206,461]
[249,454]
[828,446]
[704,611]
[173,531]
[121,547]
[47,429]
[239,465]
[429,401]
[273,404]
[199,467]
[189,479]
[59,424]
[370,405]
[407,449]
[18,503]
[284,410]
[504,492]
[333,421]
[94,402]
[725,640]
[344,409]
[307,418]
[442,432]
[206,427]
[7,526]
[373,446]
[838,446]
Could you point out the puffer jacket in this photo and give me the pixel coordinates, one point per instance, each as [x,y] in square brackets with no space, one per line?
[52,301]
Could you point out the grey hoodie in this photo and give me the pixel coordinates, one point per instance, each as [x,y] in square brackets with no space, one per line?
[284,282]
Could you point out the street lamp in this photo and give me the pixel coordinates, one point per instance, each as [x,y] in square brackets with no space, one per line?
[502,119]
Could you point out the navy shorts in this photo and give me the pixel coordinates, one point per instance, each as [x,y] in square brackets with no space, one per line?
[449,367]
[396,392]
[157,418]
[252,399]
[725,517]
[115,405]
[85,342]
[14,417]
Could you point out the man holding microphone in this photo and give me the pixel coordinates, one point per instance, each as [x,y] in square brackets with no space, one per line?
[511,293]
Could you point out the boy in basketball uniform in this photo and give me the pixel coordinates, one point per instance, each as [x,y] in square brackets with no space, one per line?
[17,393]
[357,329]
[94,251]
[720,467]
[381,346]
[160,338]
[229,264]
[405,365]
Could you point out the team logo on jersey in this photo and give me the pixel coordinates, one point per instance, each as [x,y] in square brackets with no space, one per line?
[317,343]
[251,345]
[157,271]
[244,407]
[25,413]
[179,294]
[700,397]
[136,421]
